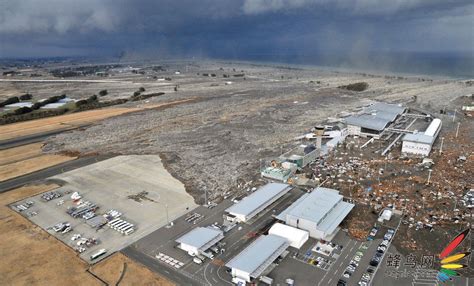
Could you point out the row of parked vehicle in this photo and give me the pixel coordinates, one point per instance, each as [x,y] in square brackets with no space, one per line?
[122,226]
[51,196]
[350,269]
[24,206]
[374,262]
[85,210]
[382,248]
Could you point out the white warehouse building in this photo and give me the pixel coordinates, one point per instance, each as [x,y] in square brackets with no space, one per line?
[199,240]
[249,264]
[319,212]
[296,237]
[421,143]
[251,205]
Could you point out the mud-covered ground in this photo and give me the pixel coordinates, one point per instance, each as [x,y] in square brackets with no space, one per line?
[217,141]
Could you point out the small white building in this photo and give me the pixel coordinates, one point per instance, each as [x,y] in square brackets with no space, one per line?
[421,143]
[296,237]
[386,215]
[249,264]
[256,202]
[319,212]
[199,240]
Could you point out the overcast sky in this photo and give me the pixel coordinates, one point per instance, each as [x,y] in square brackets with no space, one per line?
[233,28]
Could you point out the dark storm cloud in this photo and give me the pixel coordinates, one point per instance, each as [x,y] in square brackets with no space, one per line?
[232,28]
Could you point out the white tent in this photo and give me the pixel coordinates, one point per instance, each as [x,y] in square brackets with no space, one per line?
[296,237]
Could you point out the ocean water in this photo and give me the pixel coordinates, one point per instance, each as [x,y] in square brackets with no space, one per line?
[451,65]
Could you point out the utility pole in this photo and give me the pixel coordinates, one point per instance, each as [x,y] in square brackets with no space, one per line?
[441,148]
[457,129]
[167,217]
[429,176]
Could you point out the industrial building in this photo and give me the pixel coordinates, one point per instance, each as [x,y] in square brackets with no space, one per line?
[302,155]
[319,212]
[199,240]
[421,143]
[249,264]
[296,237]
[373,120]
[251,205]
[279,171]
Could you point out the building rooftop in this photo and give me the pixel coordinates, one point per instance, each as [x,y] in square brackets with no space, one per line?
[257,199]
[201,237]
[368,121]
[259,254]
[376,116]
[323,206]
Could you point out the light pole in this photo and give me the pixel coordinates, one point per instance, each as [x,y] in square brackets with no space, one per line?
[429,176]
[457,129]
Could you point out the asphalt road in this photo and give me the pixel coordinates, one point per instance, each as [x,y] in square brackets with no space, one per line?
[154,265]
[46,173]
[19,141]
[211,272]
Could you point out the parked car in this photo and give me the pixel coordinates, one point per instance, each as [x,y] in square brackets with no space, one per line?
[197,260]
[354,263]
[341,282]
[370,270]
[387,236]
[373,233]
[375,261]
[366,277]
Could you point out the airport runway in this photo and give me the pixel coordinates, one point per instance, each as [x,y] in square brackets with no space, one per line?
[46,173]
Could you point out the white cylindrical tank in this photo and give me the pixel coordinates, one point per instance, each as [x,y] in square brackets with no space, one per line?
[433,128]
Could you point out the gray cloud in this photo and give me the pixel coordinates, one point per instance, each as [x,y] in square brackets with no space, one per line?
[362,7]
[58,16]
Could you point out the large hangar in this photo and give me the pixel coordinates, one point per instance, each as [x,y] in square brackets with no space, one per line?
[319,212]
[249,264]
[251,205]
[199,240]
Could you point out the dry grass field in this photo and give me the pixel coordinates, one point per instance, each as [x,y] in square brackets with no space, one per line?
[12,155]
[62,122]
[71,121]
[30,256]
[132,273]
[30,165]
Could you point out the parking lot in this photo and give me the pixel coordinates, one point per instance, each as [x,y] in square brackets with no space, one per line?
[305,265]
[107,211]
